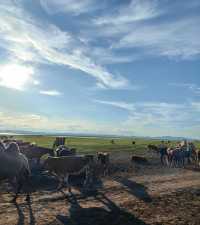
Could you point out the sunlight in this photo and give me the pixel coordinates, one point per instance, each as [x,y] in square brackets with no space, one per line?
[15,76]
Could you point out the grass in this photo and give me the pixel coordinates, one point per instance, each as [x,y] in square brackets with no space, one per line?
[92,145]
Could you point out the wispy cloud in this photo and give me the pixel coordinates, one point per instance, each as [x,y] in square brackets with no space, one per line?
[70,6]
[50,92]
[108,56]
[158,118]
[122,105]
[137,10]
[37,42]
[176,38]
[147,115]
[190,86]
[150,28]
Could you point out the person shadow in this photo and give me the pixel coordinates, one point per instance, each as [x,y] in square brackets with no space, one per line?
[136,189]
[109,214]
[21,217]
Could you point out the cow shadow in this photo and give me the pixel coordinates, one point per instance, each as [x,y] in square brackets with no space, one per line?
[20,214]
[21,217]
[46,182]
[136,189]
[77,183]
[31,214]
[109,214]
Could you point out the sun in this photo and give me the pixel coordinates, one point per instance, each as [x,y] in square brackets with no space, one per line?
[15,76]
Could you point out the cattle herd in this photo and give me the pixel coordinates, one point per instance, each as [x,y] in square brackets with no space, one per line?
[176,156]
[19,159]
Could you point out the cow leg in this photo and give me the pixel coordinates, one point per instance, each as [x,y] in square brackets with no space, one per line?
[67,182]
[104,170]
[28,199]
[87,176]
[171,161]
[61,183]
[176,164]
[166,160]
[183,160]
[19,187]
[162,159]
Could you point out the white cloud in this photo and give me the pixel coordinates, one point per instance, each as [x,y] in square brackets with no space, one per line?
[122,105]
[175,38]
[151,28]
[107,56]
[140,122]
[34,41]
[16,76]
[50,92]
[35,122]
[158,118]
[137,10]
[69,6]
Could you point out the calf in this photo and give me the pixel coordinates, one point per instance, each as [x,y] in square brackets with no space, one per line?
[65,166]
[139,159]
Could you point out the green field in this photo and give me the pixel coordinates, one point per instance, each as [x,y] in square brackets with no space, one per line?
[92,145]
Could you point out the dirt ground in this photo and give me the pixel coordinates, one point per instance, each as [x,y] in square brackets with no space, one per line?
[151,194]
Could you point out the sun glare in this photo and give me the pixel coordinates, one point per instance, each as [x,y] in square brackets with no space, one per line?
[15,76]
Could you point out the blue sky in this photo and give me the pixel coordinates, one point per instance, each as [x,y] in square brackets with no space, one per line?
[108,67]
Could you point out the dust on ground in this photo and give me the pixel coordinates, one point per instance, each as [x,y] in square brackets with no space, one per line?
[149,195]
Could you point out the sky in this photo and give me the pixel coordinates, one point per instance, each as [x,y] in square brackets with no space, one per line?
[126,67]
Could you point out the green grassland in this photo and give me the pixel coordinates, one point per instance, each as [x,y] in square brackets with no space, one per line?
[95,144]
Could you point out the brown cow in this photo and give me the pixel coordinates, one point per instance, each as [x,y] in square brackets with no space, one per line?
[65,166]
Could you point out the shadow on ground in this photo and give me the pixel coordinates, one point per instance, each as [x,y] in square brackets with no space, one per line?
[21,216]
[110,214]
[136,189]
